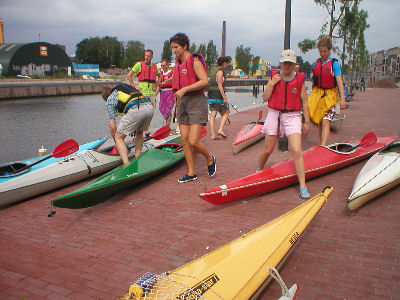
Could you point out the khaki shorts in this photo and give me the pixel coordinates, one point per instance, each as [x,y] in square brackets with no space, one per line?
[193,109]
[153,99]
[136,119]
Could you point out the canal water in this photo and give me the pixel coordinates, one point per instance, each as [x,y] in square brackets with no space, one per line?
[28,124]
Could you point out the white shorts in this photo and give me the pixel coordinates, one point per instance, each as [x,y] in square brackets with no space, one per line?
[290,122]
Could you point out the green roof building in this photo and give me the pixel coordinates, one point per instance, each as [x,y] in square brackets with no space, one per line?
[33,59]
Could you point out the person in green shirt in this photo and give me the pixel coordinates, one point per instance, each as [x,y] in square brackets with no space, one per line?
[147,74]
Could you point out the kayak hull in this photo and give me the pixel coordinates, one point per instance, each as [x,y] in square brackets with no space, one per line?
[379,174]
[248,135]
[49,175]
[151,163]
[318,160]
[240,269]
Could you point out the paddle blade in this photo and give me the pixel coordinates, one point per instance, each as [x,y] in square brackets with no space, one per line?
[260,115]
[203,132]
[368,140]
[161,133]
[65,148]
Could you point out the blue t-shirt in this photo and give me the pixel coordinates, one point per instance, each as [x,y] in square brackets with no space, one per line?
[335,66]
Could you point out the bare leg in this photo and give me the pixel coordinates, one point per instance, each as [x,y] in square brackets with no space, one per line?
[212,124]
[325,131]
[270,142]
[225,116]
[194,140]
[121,147]
[295,149]
[138,143]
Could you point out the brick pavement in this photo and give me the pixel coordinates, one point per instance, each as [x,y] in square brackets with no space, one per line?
[96,253]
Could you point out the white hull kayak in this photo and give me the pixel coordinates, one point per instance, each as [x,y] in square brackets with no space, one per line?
[380,173]
[74,168]
[248,135]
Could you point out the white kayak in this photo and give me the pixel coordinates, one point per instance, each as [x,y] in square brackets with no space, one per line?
[380,173]
[76,167]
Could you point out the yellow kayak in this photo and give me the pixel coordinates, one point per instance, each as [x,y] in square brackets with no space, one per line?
[237,270]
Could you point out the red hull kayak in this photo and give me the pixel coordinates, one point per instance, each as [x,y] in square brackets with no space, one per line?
[248,135]
[318,160]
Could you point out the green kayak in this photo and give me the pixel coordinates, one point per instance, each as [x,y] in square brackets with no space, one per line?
[147,165]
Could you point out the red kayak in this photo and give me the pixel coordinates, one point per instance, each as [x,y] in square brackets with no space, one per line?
[248,135]
[318,160]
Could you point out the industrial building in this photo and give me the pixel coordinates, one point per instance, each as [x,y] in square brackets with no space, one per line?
[33,59]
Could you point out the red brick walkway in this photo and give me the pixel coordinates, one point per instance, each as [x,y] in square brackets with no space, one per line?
[96,253]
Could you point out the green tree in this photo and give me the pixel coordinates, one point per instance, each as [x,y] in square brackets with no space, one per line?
[87,51]
[167,51]
[193,48]
[202,49]
[335,10]
[306,68]
[243,58]
[211,53]
[134,52]
[110,52]
[254,64]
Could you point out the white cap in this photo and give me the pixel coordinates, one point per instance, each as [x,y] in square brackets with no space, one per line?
[288,55]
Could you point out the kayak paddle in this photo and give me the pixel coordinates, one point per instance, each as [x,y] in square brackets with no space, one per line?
[367,141]
[160,133]
[64,149]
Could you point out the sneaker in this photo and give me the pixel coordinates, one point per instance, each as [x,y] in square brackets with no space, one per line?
[212,168]
[304,193]
[187,178]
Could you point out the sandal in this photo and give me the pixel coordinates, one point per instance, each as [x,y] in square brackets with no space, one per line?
[304,194]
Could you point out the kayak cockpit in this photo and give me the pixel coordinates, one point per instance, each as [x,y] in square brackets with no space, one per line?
[392,149]
[11,169]
[170,147]
[343,148]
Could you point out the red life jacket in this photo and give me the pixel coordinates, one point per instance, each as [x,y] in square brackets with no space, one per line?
[184,74]
[323,75]
[164,84]
[286,94]
[147,73]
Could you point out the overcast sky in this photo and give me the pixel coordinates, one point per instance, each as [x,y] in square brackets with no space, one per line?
[258,24]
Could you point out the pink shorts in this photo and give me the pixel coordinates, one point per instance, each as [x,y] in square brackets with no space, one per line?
[290,122]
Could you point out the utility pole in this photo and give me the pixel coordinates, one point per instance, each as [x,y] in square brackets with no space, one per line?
[223,38]
[283,141]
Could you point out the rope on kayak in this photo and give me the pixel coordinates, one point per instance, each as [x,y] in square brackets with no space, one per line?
[275,275]
[202,184]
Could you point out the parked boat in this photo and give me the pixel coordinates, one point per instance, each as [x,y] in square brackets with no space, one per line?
[248,135]
[147,165]
[380,174]
[237,270]
[10,170]
[318,160]
[76,167]
[336,123]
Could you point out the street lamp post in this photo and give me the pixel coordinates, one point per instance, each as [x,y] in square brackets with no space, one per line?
[283,141]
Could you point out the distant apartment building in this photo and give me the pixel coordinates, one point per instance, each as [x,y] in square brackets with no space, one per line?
[262,69]
[385,64]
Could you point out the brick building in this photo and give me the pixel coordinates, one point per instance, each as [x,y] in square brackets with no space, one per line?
[384,64]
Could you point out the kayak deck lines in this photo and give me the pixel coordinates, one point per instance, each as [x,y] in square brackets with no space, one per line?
[372,178]
[291,175]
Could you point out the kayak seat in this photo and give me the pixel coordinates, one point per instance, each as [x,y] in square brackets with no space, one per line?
[170,147]
[11,169]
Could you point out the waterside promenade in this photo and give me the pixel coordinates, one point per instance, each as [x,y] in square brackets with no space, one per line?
[25,88]
[96,253]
